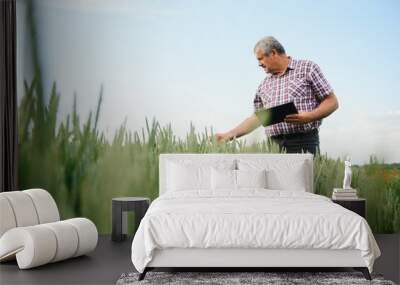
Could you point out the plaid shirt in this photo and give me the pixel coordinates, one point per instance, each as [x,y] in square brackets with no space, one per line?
[303,83]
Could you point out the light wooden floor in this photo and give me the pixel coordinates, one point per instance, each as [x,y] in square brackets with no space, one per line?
[111,259]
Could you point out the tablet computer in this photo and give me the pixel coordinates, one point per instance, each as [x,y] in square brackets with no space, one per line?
[275,114]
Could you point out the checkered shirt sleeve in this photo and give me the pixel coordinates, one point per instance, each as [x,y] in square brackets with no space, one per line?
[319,83]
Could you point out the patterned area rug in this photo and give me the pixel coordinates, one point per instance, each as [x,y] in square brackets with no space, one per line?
[231,278]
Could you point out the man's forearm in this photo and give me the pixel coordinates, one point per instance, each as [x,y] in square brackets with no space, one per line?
[245,127]
[325,108]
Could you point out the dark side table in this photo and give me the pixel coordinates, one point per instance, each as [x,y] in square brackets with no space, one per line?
[358,205]
[120,207]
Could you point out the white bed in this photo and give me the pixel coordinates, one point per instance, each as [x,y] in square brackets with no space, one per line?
[216,224]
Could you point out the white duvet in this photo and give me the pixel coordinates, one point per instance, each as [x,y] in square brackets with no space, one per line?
[251,218]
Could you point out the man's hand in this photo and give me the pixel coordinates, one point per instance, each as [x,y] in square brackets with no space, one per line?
[328,105]
[245,127]
[300,118]
[222,137]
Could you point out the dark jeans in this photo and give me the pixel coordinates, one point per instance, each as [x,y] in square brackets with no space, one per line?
[299,142]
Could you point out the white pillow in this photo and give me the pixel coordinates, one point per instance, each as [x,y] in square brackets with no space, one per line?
[189,174]
[281,174]
[251,178]
[223,179]
[287,178]
[187,177]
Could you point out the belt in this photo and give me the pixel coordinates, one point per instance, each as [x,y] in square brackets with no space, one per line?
[296,135]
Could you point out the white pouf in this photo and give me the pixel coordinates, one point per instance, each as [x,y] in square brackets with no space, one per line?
[31,232]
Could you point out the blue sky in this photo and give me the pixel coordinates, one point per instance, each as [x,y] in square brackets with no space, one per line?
[183,61]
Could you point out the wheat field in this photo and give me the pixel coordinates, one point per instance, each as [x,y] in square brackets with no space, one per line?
[83,171]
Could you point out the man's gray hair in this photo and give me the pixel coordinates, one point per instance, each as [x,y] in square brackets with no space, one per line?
[269,43]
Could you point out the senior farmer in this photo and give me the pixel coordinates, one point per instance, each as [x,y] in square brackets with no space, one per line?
[289,79]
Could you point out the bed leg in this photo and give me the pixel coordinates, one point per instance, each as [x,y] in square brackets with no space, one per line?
[143,274]
[364,271]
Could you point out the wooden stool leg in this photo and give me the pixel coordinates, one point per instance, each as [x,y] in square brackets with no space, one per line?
[116,234]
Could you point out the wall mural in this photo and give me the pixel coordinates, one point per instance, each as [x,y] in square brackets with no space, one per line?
[71,151]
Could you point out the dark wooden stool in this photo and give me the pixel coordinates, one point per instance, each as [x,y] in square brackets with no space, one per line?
[120,206]
[356,205]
